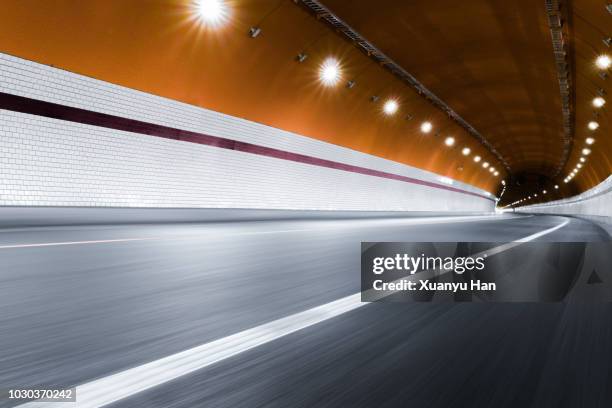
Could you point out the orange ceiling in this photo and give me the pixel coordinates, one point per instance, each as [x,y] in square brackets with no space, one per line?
[491,61]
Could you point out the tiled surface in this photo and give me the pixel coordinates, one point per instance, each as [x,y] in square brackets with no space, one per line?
[596,201]
[51,162]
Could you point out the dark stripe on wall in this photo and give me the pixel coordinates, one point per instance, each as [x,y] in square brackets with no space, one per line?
[22,104]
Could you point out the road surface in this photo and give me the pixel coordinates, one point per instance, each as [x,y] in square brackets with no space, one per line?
[82,305]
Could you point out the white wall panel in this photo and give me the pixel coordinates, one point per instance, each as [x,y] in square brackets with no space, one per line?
[50,162]
[594,202]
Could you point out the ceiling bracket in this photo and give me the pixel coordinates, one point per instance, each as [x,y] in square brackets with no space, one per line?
[559,30]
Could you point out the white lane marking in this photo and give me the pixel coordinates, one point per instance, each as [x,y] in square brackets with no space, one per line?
[510,245]
[437,220]
[123,384]
[545,232]
[49,244]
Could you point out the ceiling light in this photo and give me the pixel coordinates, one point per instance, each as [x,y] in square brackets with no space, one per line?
[556,186]
[589,140]
[544,191]
[466,151]
[583,159]
[579,165]
[485,164]
[496,173]
[593,125]
[426,127]
[212,12]
[449,141]
[329,72]
[535,194]
[586,152]
[599,102]
[491,169]
[603,62]
[390,107]
[476,159]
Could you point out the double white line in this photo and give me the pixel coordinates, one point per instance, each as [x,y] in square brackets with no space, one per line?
[126,383]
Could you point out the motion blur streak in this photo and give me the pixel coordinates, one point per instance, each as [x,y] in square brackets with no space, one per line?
[196,293]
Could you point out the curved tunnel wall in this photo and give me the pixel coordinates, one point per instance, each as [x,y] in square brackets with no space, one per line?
[70,140]
[595,203]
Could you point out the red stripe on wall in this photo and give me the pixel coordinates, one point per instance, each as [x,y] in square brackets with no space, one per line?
[52,110]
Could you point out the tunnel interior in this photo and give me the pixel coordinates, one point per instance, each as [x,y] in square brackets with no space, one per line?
[305,203]
[516,85]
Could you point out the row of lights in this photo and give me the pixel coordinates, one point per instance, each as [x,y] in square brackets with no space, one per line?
[535,195]
[215,12]
[603,62]
[330,74]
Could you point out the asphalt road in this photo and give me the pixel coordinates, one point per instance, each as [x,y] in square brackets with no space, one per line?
[81,305]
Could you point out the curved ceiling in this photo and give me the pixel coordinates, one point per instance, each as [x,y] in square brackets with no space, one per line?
[492,62]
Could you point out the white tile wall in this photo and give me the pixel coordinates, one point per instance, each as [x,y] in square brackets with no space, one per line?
[49,162]
[596,201]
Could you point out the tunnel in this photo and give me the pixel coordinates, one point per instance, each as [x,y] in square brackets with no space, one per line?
[305,203]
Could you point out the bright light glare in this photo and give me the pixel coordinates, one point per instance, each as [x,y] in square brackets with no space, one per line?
[589,140]
[212,12]
[491,169]
[477,159]
[599,102]
[583,159]
[426,127]
[390,107]
[449,141]
[593,125]
[496,173]
[466,151]
[485,164]
[603,62]
[329,72]
[579,165]
[556,186]
[586,152]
